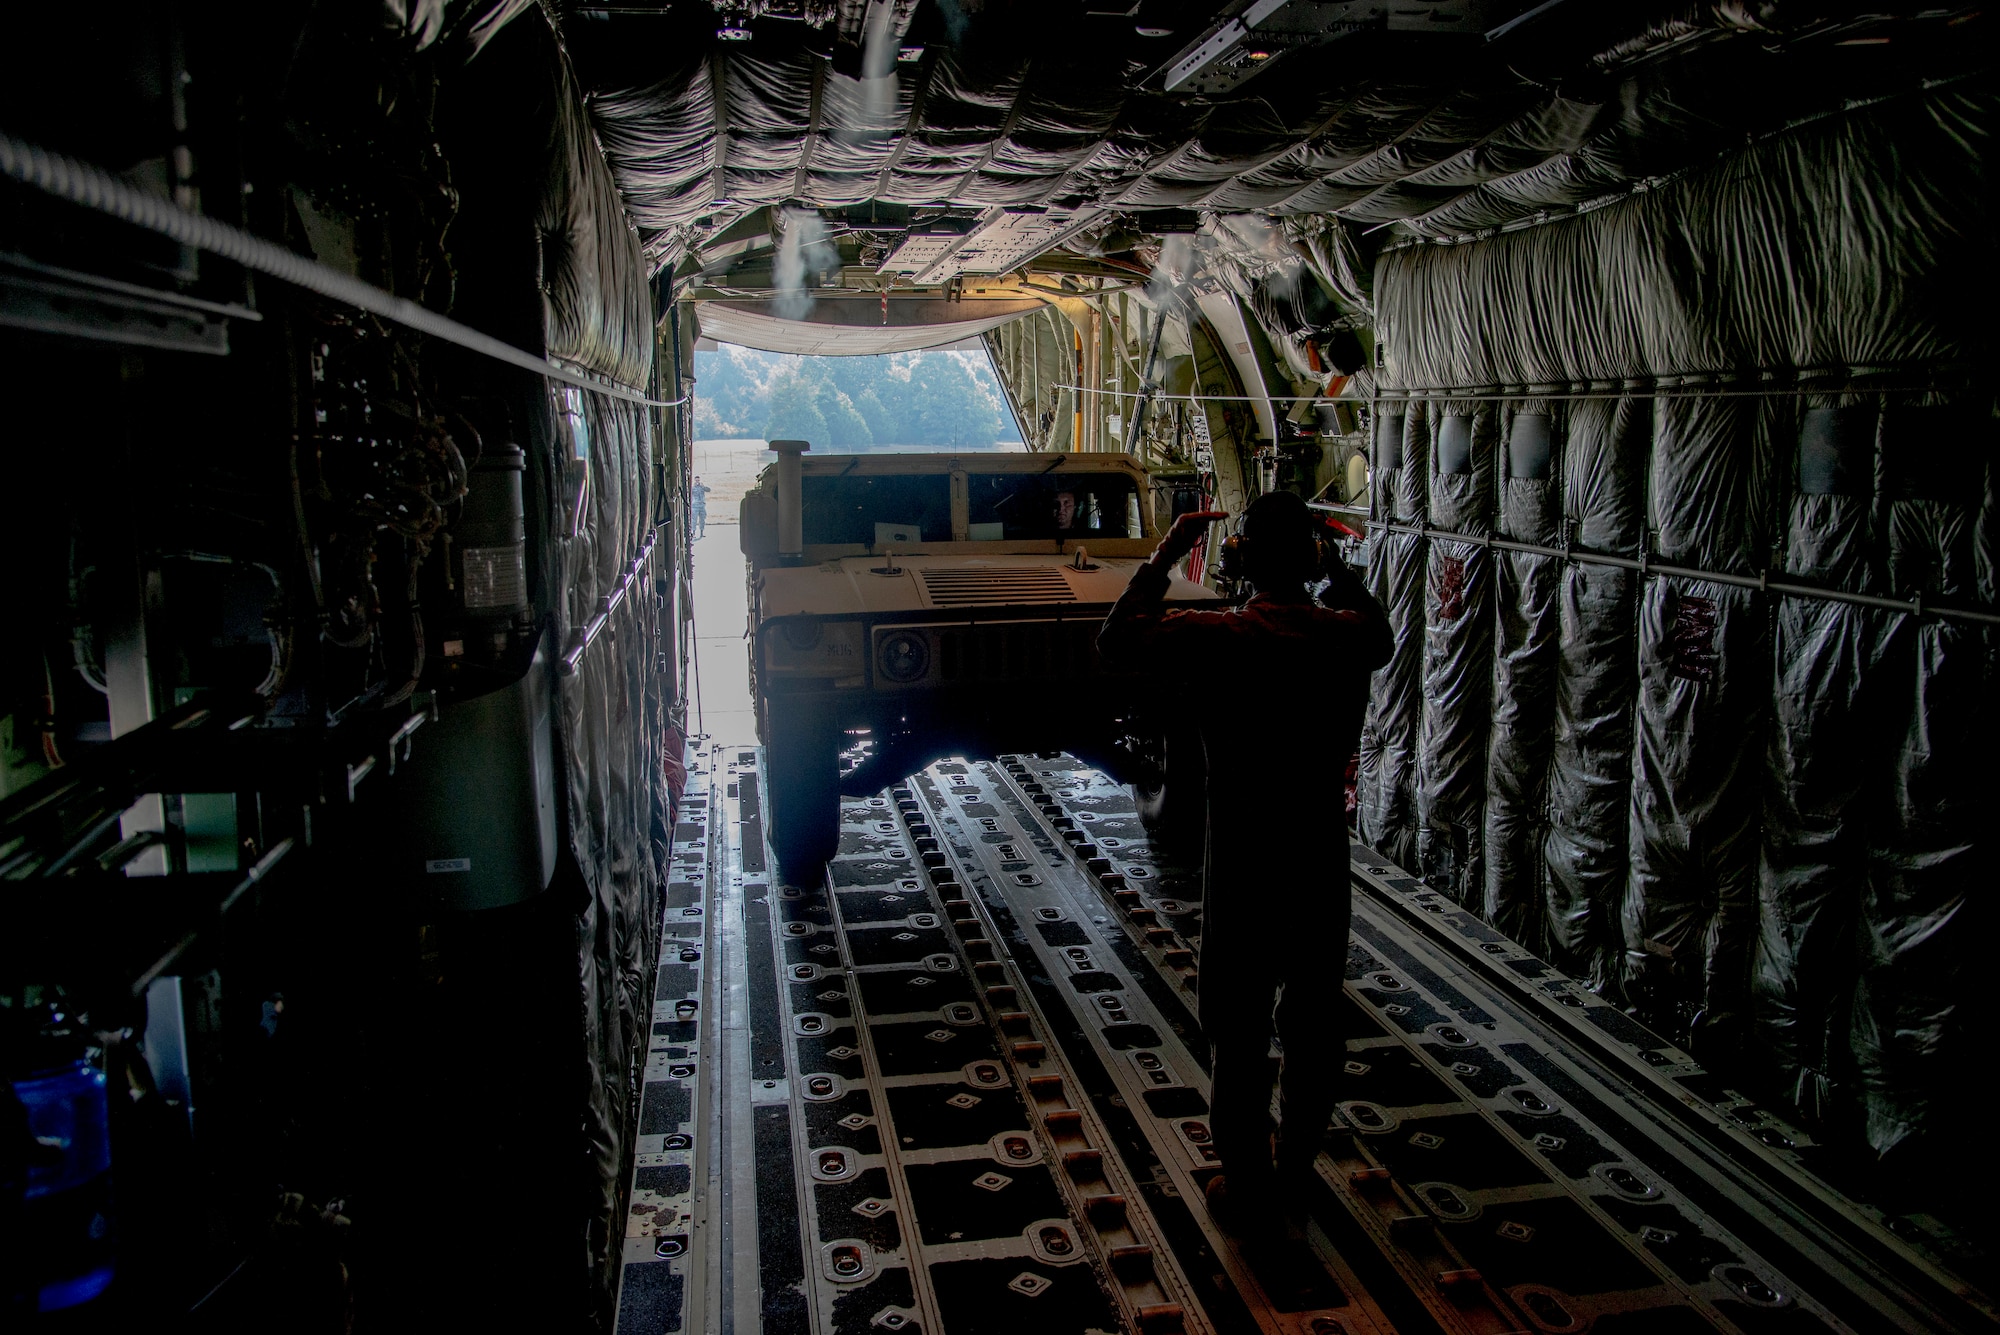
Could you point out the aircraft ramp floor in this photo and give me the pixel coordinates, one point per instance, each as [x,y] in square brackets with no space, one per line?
[957,1088]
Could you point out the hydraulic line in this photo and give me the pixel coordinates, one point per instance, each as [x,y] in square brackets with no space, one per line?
[92,187]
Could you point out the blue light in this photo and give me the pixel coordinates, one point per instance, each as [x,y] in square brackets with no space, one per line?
[68,1201]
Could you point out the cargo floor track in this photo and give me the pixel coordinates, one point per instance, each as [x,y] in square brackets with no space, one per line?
[957,1089]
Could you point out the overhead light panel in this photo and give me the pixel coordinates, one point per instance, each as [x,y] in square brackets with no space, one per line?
[1003,240]
[922,248]
[1255,37]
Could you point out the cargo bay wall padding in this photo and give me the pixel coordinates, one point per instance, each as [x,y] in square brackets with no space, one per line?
[613,723]
[591,307]
[596,312]
[1761,811]
[1454,444]
[1386,787]
[1527,601]
[1589,778]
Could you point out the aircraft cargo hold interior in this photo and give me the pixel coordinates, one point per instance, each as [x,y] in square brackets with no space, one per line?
[1284,667]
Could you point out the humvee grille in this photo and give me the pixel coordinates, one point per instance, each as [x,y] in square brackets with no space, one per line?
[991,588]
[1017,650]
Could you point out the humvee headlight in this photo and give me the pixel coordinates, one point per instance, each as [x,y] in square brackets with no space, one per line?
[904,656]
[810,647]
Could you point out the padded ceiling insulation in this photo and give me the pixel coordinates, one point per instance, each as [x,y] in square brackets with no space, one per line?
[1761,819]
[1443,136]
[1790,257]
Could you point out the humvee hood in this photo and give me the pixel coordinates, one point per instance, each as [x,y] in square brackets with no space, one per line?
[858,585]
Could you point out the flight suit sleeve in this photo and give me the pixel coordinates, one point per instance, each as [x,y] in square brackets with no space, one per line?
[1139,636]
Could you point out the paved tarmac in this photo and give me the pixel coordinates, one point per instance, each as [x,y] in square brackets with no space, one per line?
[722,661]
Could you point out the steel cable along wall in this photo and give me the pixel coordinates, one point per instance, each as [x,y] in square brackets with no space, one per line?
[614,710]
[1761,817]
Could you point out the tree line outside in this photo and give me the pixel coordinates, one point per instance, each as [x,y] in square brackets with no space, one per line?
[940,399]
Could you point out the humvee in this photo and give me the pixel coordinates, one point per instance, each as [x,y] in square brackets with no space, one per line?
[947,604]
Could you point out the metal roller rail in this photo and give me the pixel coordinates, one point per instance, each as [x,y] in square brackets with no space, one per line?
[1753,1155]
[1895,1257]
[669,1225]
[958,1087]
[889,1148]
[1419,1274]
[1348,1269]
[1029,896]
[1451,1073]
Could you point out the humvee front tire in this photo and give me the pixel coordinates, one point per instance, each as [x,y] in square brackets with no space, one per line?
[802,756]
[1171,787]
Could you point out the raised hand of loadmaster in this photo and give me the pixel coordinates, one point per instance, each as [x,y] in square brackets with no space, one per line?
[1184,536]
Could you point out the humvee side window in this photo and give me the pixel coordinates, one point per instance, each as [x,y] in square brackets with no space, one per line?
[846,510]
[1051,505]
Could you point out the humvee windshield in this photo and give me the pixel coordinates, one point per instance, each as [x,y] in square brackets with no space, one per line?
[865,511]
[1051,505]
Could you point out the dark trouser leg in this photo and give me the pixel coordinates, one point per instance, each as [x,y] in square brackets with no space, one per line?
[1239,1115]
[1310,1027]
[1238,991]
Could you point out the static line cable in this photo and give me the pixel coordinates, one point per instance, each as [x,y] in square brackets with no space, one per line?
[94,188]
[1158,397]
[1846,389]
[1758,583]
[1425,397]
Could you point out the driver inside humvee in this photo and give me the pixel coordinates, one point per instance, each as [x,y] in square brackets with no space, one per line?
[1065,512]
[1077,505]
